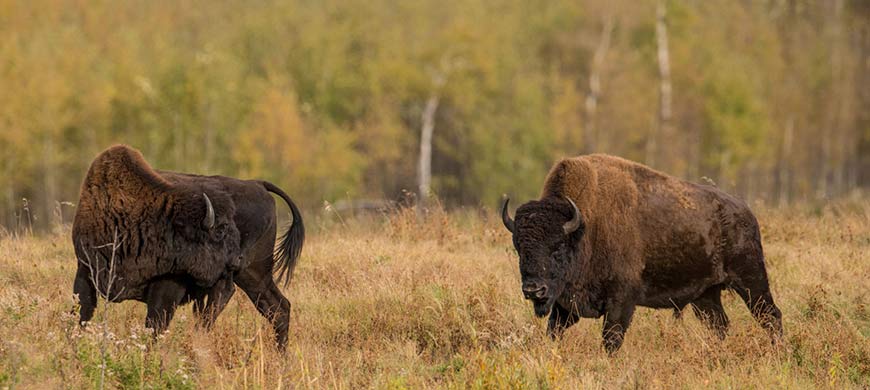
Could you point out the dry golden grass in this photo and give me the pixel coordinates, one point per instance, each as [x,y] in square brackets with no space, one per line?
[390,303]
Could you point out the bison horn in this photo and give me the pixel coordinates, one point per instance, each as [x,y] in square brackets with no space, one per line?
[505,217]
[572,225]
[208,222]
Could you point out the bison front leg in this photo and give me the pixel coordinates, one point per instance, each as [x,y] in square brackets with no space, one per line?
[617,318]
[560,319]
[218,297]
[84,288]
[162,297]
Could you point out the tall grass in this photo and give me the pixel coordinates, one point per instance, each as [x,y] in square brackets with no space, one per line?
[404,301]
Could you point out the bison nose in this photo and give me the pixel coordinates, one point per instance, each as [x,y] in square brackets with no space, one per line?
[534,291]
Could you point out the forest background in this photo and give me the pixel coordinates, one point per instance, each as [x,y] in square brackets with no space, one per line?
[330,99]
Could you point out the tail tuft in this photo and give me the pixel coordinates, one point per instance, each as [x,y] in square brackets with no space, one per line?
[290,243]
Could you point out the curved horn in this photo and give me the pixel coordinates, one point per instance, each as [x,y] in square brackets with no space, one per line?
[208,222]
[572,225]
[505,216]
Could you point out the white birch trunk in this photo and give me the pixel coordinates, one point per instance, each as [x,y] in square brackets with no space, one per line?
[425,165]
[663,128]
[589,128]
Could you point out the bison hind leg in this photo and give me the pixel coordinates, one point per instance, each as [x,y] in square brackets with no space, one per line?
[760,303]
[751,284]
[266,296]
[708,308]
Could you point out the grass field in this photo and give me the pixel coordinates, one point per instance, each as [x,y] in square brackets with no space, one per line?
[386,302]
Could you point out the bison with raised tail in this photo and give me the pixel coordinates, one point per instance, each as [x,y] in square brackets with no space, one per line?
[167,238]
[609,234]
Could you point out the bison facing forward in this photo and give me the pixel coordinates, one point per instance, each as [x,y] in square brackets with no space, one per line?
[168,238]
[609,234]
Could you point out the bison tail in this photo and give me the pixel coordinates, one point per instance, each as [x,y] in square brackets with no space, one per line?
[290,244]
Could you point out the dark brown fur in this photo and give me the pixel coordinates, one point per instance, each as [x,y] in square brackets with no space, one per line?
[166,257]
[646,239]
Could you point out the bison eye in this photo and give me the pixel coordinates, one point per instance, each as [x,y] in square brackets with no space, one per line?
[560,254]
[219,232]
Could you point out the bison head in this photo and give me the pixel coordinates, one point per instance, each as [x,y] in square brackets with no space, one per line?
[194,218]
[546,235]
[206,239]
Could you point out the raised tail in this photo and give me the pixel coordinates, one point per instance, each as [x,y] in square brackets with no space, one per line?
[290,244]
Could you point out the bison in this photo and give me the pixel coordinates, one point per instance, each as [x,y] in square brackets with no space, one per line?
[608,234]
[167,238]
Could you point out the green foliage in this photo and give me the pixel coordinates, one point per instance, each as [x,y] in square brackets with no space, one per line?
[325,98]
[130,367]
[737,125]
[5,379]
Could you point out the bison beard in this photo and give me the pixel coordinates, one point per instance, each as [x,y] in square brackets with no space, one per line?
[609,234]
[168,238]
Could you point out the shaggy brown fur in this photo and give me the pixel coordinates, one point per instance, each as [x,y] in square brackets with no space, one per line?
[166,255]
[646,239]
[158,225]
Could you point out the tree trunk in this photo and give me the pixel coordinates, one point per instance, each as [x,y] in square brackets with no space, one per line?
[724,161]
[824,168]
[664,122]
[179,144]
[425,165]
[208,141]
[9,194]
[784,162]
[49,181]
[832,122]
[589,128]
